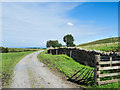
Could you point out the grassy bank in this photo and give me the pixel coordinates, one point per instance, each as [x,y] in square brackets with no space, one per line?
[109,44]
[69,67]
[9,60]
[103,47]
[66,65]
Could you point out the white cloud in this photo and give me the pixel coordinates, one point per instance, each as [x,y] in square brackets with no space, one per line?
[69,24]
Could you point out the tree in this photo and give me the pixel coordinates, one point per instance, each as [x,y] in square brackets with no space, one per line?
[60,45]
[68,39]
[52,43]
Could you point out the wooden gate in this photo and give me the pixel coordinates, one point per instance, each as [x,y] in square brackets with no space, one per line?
[107,70]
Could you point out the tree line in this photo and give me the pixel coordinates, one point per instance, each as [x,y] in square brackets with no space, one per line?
[4,50]
[68,39]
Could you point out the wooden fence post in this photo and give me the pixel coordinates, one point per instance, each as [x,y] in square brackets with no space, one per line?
[111,64]
[97,72]
[65,52]
[50,51]
[110,61]
[70,53]
[56,51]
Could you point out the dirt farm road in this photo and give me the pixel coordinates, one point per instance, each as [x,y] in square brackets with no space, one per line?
[31,73]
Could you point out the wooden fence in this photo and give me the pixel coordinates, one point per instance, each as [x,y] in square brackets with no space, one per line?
[106,63]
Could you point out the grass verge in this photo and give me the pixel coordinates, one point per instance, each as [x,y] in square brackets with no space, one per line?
[69,67]
[9,60]
[64,64]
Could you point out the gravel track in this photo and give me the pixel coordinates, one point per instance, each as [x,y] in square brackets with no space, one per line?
[31,73]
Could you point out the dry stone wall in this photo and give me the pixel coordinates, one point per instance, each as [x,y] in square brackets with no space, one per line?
[81,55]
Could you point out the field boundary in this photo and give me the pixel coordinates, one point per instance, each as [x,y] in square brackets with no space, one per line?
[94,59]
[81,55]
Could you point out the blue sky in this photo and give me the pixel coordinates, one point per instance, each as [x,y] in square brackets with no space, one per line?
[32,24]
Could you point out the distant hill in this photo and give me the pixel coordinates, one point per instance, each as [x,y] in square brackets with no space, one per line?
[107,40]
[108,44]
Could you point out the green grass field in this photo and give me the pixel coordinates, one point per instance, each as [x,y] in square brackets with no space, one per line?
[9,60]
[102,47]
[21,49]
[69,67]
[109,44]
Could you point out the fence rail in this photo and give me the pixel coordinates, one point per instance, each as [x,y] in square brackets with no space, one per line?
[107,65]
[108,62]
[110,74]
